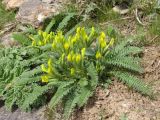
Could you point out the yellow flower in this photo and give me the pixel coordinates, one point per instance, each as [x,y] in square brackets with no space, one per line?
[44,79]
[40,43]
[103,44]
[103,35]
[83,52]
[59,36]
[66,46]
[69,57]
[54,45]
[98,55]
[44,69]
[74,39]
[50,67]
[72,71]
[78,58]
[46,39]
[78,30]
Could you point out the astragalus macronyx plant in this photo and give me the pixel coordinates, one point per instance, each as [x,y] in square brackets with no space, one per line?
[78,63]
[66,70]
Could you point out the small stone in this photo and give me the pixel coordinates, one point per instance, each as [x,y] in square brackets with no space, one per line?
[122,8]
[117,9]
[48,1]
[12,4]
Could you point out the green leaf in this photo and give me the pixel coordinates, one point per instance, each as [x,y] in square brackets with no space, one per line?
[93,74]
[84,95]
[65,21]
[133,82]
[129,63]
[83,82]
[50,25]
[22,39]
[32,97]
[129,50]
[63,90]
[70,104]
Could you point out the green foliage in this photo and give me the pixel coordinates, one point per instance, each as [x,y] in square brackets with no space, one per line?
[50,25]
[18,73]
[72,66]
[65,21]
[31,98]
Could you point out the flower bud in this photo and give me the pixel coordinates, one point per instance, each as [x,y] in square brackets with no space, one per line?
[98,55]
[44,79]
[69,57]
[66,46]
[78,58]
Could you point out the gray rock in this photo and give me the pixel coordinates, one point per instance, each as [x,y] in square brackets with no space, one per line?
[7,41]
[43,113]
[12,4]
[119,10]
[19,115]
[35,12]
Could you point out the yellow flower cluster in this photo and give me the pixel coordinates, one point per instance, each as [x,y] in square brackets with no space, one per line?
[102,40]
[42,39]
[103,44]
[71,52]
[76,57]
